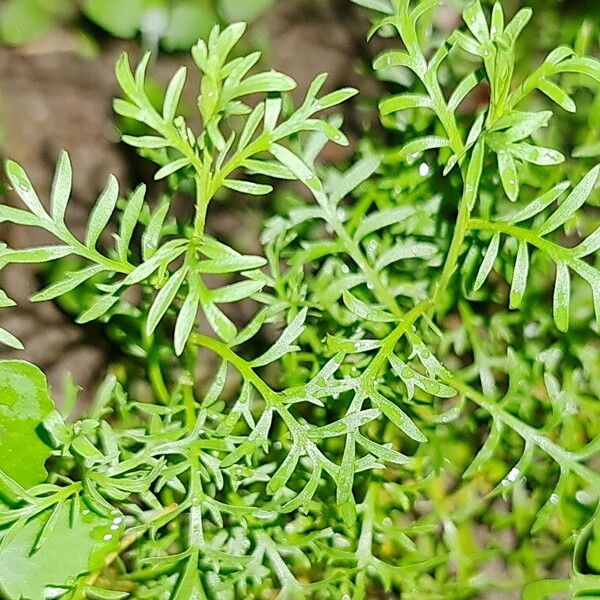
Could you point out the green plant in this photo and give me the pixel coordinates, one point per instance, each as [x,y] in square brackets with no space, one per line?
[402,418]
[175,24]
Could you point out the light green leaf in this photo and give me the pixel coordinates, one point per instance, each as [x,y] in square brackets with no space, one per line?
[516,26]
[236,291]
[397,416]
[587,150]
[173,94]
[384,452]
[382,218]
[40,254]
[414,148]
[557,95]
[69,282]
[284,472]
[188,21]
[269,168]
[536,154]
[22,186]
[122,19]
[508,174]
[171,168]
[186,318]
[475,19]
[163,257]
[164,299]
[230,264]
[405,250]
[335,98]
[486,452]
[24,404]
[474,172]
[189,586]
[572,203]
[349,423]
[102,212]
[404,102]
[61,188]
[252,123]
[99,307]
[69,549]
[462,90]
[412,378]
[247,187]
[129,221]
[262,83]
[154,230]
[366,311]
[519,281]
[284,344]
[21,217]
[488,262]
[146,141]
[590,245]
[536,206]
[352,178]
[8,339]
[562,297]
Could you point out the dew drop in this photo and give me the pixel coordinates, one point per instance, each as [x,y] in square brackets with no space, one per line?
[345,269]
[407,373]
[554,499]
[513,474]
[424,169]
[107,537]
[114,527]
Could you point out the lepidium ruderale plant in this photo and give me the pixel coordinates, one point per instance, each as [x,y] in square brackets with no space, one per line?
[384,421]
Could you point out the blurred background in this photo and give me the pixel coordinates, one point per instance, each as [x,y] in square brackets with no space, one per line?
[57,85]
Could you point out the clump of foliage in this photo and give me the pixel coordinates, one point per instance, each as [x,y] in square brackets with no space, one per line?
[175,24]
[413,405]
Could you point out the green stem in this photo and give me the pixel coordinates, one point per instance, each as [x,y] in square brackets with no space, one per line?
[270,396]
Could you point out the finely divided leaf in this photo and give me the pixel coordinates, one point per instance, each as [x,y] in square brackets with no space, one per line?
[102,211]
[284,344]
[61,188]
